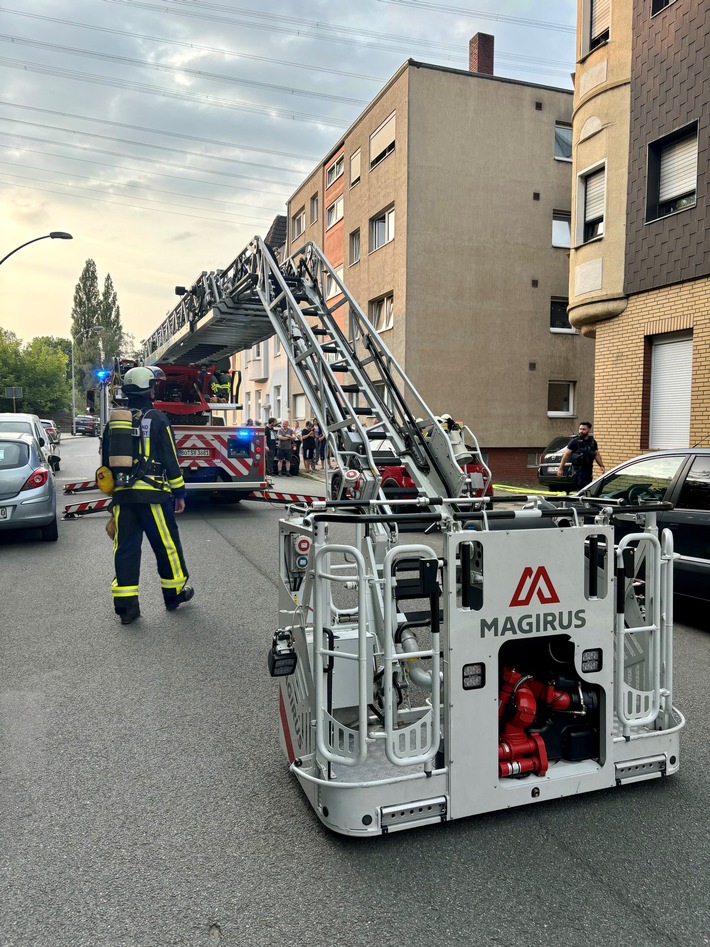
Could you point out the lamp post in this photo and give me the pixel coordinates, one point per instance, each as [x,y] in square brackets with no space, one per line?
[54,235]
[73,388]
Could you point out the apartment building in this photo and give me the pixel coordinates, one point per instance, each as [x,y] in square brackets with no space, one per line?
[640,263]
[446,209]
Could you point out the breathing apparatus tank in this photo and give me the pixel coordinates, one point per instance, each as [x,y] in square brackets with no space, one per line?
[461,452]
[122,442]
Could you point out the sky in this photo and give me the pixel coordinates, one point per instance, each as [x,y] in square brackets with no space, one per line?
[164,134]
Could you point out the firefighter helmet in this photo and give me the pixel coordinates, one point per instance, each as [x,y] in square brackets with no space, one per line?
[142,379]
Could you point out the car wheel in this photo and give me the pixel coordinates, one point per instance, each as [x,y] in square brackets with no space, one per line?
[50,533]
[335,484]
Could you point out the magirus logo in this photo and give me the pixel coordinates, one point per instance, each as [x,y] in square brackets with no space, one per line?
[531,582]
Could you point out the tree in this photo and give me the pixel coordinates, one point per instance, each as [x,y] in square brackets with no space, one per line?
[61,345]
[109,317]
[96,327]
[39,369]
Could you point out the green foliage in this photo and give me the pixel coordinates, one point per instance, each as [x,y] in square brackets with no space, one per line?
[96,328]
[40,369]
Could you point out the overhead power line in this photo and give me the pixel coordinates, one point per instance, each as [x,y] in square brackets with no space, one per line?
[201,98]
[179,70]
[478,14]
[103,200]
[153,163]
[182,135]
[236,54]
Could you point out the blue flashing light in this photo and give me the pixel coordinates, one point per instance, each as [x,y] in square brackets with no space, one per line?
[103,374]
[244,432]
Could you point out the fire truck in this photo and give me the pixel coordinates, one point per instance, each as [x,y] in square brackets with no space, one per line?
[511,653]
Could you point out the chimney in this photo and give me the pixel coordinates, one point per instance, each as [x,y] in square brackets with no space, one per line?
[480,54]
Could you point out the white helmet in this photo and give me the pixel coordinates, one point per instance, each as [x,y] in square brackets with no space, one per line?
[142,379]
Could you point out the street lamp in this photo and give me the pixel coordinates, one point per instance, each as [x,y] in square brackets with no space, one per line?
[54,235]
[73,388]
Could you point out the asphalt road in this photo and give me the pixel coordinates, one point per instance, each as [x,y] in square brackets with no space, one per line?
[144,800]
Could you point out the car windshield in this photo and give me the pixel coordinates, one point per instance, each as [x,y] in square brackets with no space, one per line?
[646,479]
[13,454]
[556,448]
[16,427]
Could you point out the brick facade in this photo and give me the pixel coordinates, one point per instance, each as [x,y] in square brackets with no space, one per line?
[669,69]
[623,366]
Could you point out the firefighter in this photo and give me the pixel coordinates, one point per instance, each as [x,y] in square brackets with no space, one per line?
[147,494]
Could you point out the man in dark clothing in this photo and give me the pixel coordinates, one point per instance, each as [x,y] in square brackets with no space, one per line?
[270,435]
[582,451]
[143,498]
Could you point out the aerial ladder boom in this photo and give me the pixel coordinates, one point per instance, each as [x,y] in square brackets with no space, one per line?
[344,368]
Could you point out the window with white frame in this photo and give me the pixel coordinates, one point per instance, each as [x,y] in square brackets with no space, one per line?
[334,212]
[563,142]
[381,229]
[257,407]
[382,312]
[382,141]
[561,226]
[314,208]
[277,402]
[256,351]
[591,197]
[299,408]
[354,167]
[354,246]
[658,5]
[533,459]
[559,321]
[277,345]
[335,171]
[331,287]
[672,173]
[560,399]
[247,407]
[298,223]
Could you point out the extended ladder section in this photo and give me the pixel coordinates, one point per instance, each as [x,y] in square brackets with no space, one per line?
[344,368]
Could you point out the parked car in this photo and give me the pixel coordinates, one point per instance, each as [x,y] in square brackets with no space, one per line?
[27,424]
[51,429]
[28,496]
[549,462]
[680,477]
[52,448]
[86,424]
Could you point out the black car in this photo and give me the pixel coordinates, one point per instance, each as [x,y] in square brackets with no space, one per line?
[549,462]
[681,477]
[86,424]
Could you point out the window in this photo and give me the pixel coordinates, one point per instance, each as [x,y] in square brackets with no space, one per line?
[643,480]
[256,351]
[334,213]
[277,401]
[331,287]
[563,142]
[560,399]
[314,208]
[659,5]
[593,189]
[299,407]
[334,171]
[247,407]
[561,225]
[695,494]
[672,173]
[382,141]
[355,168]
[354,246]
[277,345]
[558,315]
[257,407]
[298,223]
[382,312]
[381,229]
[670,390]
[600,13]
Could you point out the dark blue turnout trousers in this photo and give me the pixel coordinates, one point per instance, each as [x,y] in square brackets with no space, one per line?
[157,521]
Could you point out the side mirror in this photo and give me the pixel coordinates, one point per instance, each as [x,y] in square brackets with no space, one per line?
[42,442]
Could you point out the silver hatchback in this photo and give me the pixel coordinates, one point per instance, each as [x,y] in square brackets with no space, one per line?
[28,496]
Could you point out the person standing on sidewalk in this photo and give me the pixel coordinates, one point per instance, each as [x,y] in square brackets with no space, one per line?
[308,439]
[583,452]
[284,448]
[270,437]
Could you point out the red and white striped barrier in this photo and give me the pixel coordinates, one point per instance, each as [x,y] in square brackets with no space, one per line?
[80,487]
[282,497]
[73,510]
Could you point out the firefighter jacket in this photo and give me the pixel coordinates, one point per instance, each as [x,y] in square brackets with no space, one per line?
[158,477]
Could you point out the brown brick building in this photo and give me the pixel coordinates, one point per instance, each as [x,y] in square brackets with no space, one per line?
[640,262]
[446,209]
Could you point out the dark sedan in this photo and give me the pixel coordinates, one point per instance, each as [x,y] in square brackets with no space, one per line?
[86,424]
[680,477]
[549,462]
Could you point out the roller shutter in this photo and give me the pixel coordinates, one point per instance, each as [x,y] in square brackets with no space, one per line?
[679,169]
[671,377]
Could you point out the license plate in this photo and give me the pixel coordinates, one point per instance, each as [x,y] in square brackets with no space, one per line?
[195,452]
[4,512]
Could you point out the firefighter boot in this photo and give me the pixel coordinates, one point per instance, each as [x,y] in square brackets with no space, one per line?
[184,596]
[128,611]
